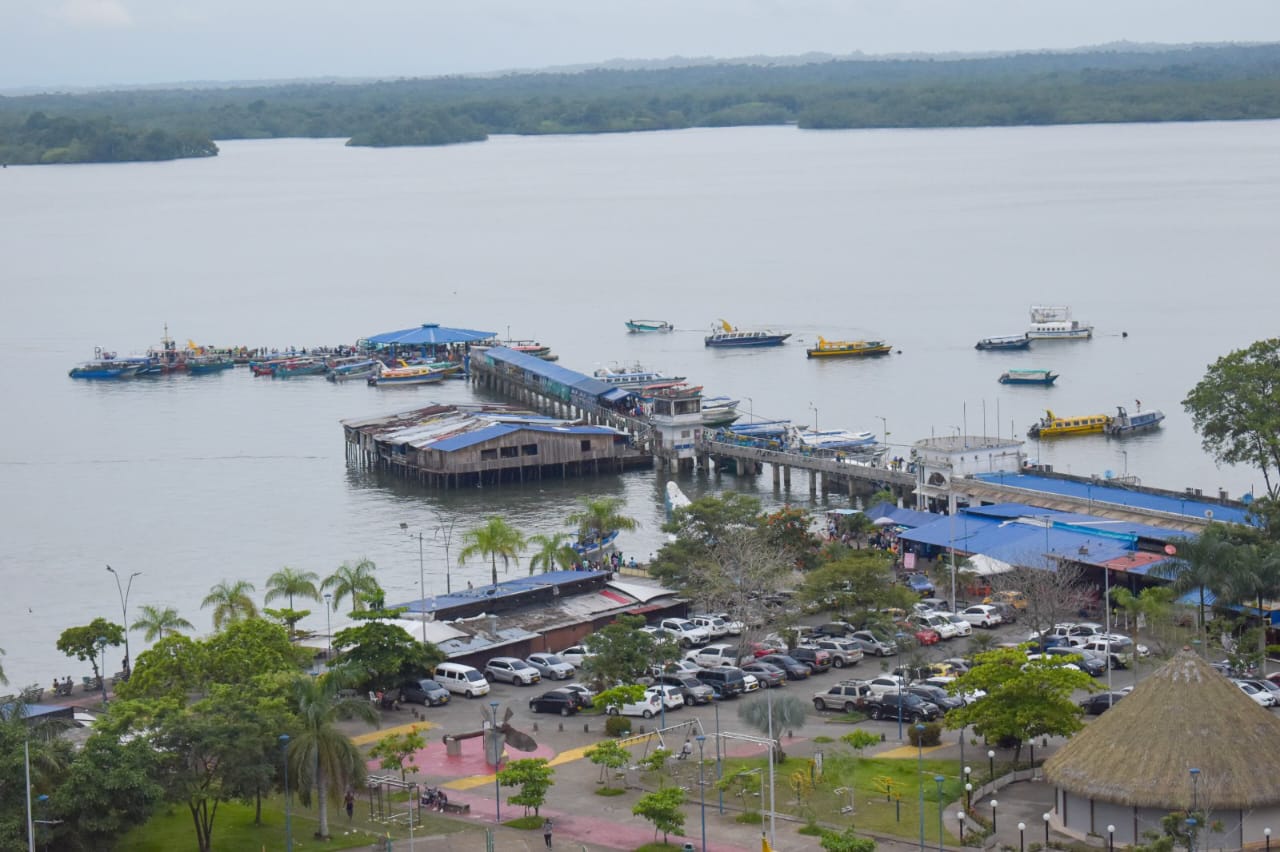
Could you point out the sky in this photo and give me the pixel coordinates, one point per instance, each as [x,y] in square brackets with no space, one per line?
[52,44]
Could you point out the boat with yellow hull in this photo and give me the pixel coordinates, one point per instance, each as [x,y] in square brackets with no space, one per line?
[1052,426]
[848,348]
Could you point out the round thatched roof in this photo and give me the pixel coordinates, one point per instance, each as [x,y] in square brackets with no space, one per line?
[1184,716]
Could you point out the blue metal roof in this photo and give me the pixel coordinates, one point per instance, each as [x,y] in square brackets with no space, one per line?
[430,333]
[1101,492]
[506,588]
[488,433]
[588,385]
[901,517]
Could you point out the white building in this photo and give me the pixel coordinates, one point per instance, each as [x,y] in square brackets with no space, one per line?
[940,460]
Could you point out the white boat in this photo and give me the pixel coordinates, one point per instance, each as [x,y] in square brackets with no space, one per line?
[1054,322]
[634,376]
[836,439]
[719,410]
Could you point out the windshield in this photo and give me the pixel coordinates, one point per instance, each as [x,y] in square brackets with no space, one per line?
[551,660]
[474,675]
[429,685]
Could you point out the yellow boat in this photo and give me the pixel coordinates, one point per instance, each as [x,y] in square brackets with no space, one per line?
[1051,426]
[847,348]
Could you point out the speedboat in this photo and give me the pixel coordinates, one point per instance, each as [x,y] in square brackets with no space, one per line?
[1125,423]
[836,439]
[725,335]
[644,326]
[1028,377]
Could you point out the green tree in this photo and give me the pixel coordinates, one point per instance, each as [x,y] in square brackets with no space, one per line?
[846,841]
[50,756]
[85,643]
[230,602]
[159,622]
[1233,408]
[248,648]
[599,517]
[772,718]
[553,553]
[396,751]
[663,809]
[109,788]
[1200,564]
[172,668]
[1024,699]
[610,757]
[495,539]
[381,655]
[356,582]
[322,759]
[534,778]
[622,653]
[858,583]
[788,529]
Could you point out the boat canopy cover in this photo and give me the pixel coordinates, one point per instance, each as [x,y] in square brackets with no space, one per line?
[617,395]
[428,334]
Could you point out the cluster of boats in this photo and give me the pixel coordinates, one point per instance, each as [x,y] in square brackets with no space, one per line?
[1116,426]
[716,410]
[167,360]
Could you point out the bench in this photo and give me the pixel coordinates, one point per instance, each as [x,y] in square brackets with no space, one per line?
[461,808]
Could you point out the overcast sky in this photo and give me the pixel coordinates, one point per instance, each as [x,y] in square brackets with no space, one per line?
[52,43]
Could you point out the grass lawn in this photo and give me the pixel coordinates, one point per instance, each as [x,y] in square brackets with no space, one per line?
[885,794]
[234,829]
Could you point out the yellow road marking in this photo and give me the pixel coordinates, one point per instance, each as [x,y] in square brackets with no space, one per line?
[473,781]
[375,736]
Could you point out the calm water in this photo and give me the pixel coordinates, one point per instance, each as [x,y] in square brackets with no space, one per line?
[927,239]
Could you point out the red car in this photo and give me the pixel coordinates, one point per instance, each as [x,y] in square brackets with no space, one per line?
[763,649]
[924,635]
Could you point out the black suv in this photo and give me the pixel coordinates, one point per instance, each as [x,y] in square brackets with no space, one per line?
[936,695]
[690,688]
[563,701]
[817,660]
[913,708]
[795,669]
[725,681]
[836,629]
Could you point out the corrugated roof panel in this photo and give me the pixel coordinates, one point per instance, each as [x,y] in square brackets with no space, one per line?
[549,370]
[1101,492]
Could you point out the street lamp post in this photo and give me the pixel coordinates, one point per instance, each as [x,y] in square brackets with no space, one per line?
[1266,834]
[815,416]
[1046,816]
[1195,789]
[920,777]
[1191,834]
[497,760]
[422,578]
[1022,837]
[968,796]
[1111,838]
[991,763]
[960,821]
[124,614]
[719,766]
[938,779]
[751,412]
[328,625]
[288,813]
[445,531]
[702,790]
[884,423]
[994,829]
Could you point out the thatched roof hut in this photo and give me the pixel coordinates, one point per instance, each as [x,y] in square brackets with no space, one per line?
[1141,751]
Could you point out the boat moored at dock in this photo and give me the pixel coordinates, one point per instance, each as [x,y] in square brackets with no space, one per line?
[1125,423]
[719,410]
[1054,322]
[1004,342]
[634,376]
[422,374]
[199,364]
[641,326]
[1028,377]
[345,369]
[725,335]
[106,366]
[848,348]
[1052,426]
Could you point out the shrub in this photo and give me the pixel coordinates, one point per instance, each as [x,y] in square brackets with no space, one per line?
[930,736]
[617,726]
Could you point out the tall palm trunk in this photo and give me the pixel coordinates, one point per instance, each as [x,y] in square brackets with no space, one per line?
[493,557]
[322,790]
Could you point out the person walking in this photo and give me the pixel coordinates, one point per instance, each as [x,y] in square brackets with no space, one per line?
[546,832]
[350,801]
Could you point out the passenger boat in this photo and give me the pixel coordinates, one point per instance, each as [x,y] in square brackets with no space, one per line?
[848,348]
[1052,426]
[198,364]
[725,336]
[1008,341]
[1028,377]
[299,367]
[719,410]
[593,547]
[422,374]
[634,376]
[836,439]
[108,367]
[645,326]
[1054,322]
[352,368]
[1125,424]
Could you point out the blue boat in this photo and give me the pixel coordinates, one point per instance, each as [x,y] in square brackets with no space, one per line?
[107,369]
[593,547]
[1125,424]
[725,336]
[1028,377]
[200,364]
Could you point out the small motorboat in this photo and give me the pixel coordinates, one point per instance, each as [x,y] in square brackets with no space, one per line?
[645,326]
[1125,423]
[1008,341]
[1028,377]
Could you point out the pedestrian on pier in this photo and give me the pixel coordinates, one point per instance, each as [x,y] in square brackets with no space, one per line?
[546,832]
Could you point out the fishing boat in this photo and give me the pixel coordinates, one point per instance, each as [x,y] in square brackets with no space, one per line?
[633,376]
[1054,322]
[1126,424]
[1001,342]
[1028,377]
[1052,426]
[725,336]
[421,374]
[593,547]
[646,326]
[299,367]
[719,410]
[199,364]
[346,369]
[848,348]
[106,366]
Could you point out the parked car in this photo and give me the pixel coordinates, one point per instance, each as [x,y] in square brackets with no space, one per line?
[1262,697]
[816,659]
[944,682]
[715,655]
[981,615]
[575,655]
[1087,661]
[848,696]
[1100,702]
[768,674]
[795,669]
[713,624]
[885,683]
[692,690]
[906,706]
[923,635]
[920,584]
[682,667]
[733,626]
[935,605]
[563,701]
[511,670]
[685,632]
[727,682]
[936,622]
[836,629]
[1012,597]
[1118,650]
[649,705]
[1008,614]
[936,695]
[551,666]
[872,644]
[843,652]
[424,691]
[767,646]
[585,696]
[962,627]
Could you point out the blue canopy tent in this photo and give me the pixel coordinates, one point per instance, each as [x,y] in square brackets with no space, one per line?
[429,334]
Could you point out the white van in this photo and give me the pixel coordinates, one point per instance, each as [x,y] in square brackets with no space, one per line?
[461,679]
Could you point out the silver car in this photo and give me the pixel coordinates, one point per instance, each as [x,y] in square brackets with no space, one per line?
[550,666]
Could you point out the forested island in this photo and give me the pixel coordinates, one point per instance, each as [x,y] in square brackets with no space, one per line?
[1205,83]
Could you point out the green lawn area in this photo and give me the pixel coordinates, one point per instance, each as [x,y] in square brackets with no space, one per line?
[885,794]
[234,829]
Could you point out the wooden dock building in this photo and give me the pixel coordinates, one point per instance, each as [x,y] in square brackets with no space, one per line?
[452,446]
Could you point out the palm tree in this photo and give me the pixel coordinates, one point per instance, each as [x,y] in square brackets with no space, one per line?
[230,602]
[496,538]
[320,756]
[1253,577]
[353,581]
[553,552]
[600,517]
[288,582]
[788,713]
[160,623]
[1201,564]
